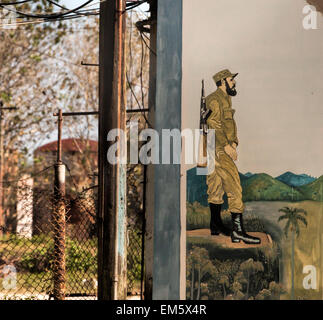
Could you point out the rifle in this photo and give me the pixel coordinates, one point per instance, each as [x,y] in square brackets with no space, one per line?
[204,115]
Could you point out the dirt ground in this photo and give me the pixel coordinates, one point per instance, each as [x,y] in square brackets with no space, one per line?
[226,242]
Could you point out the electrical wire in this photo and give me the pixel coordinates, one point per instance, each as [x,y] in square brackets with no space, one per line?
[57,4]
[31,176]
[134,95]
[60,16]
[130,6]
[80,14]
[76,16]
[47,16]
[50,56]
[151,50]
[14,3]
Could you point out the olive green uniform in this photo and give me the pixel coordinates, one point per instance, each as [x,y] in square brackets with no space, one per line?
[225,177]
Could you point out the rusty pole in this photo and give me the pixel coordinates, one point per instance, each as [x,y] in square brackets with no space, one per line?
[1,173]
[58,219]
[112,261]
[59,210]
[59,140]
[149,174]
[2,164]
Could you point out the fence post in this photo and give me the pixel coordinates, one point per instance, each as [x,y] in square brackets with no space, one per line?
[58,220]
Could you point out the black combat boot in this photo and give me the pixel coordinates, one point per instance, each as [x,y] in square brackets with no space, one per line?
[216,224]
[238,232]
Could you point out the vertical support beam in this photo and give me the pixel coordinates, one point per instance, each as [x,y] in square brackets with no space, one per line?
[58,222]
[167,217]
[321,242]
[2,220]
[150,187]
[1,172]
[58,219]
[112,177]
[59,140]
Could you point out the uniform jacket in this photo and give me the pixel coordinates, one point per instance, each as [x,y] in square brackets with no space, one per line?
[221,119]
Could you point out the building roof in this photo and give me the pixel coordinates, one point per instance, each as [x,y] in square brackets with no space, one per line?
[70,145]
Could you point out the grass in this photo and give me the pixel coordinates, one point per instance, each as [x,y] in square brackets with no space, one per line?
[33,257]
[198,217]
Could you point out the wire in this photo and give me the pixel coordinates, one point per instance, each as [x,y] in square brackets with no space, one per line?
[76,16]
[134,95]
[49,56]
[132,6]
[76,189]
[151,50]
[14,3]
[48,16]
[31,176]
[57,4]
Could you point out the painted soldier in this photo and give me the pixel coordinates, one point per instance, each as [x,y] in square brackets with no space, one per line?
[225,177]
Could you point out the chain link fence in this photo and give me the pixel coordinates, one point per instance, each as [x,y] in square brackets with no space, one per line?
[39,229]
[135,256]
[48,244]
[135,229]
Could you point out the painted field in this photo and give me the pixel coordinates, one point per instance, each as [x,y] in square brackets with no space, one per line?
[308,246]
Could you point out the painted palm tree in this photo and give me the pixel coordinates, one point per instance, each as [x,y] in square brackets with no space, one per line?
[293,217]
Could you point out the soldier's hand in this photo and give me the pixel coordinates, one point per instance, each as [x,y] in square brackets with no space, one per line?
[231,152]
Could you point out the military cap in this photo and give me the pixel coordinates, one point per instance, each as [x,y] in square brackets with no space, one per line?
[223,75]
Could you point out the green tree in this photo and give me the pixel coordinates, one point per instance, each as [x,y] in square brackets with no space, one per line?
[249,268]
[264,294]
[224,282]
[293,217]
[276,290]
[200,263]
[237,290]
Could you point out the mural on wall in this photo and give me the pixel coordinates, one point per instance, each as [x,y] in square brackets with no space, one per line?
[254,224]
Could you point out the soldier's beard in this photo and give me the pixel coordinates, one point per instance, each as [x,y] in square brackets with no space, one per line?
[230,91]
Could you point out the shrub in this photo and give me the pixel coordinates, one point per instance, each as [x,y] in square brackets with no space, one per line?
[78,258]
[38,260]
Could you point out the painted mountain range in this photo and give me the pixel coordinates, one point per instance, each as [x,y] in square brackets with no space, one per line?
[261,186]
[295,180]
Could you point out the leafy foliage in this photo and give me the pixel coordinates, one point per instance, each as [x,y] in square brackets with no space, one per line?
[232,279]
[264,187]
[39,260]
[313,190]
[198,217]
[293,217]
[78,258]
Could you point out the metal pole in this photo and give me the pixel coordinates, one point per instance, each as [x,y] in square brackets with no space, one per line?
[143,233]
[1,164]
[84,113]
[58,220]
[149,177]
[1,173]
[112,204]
[59,140]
